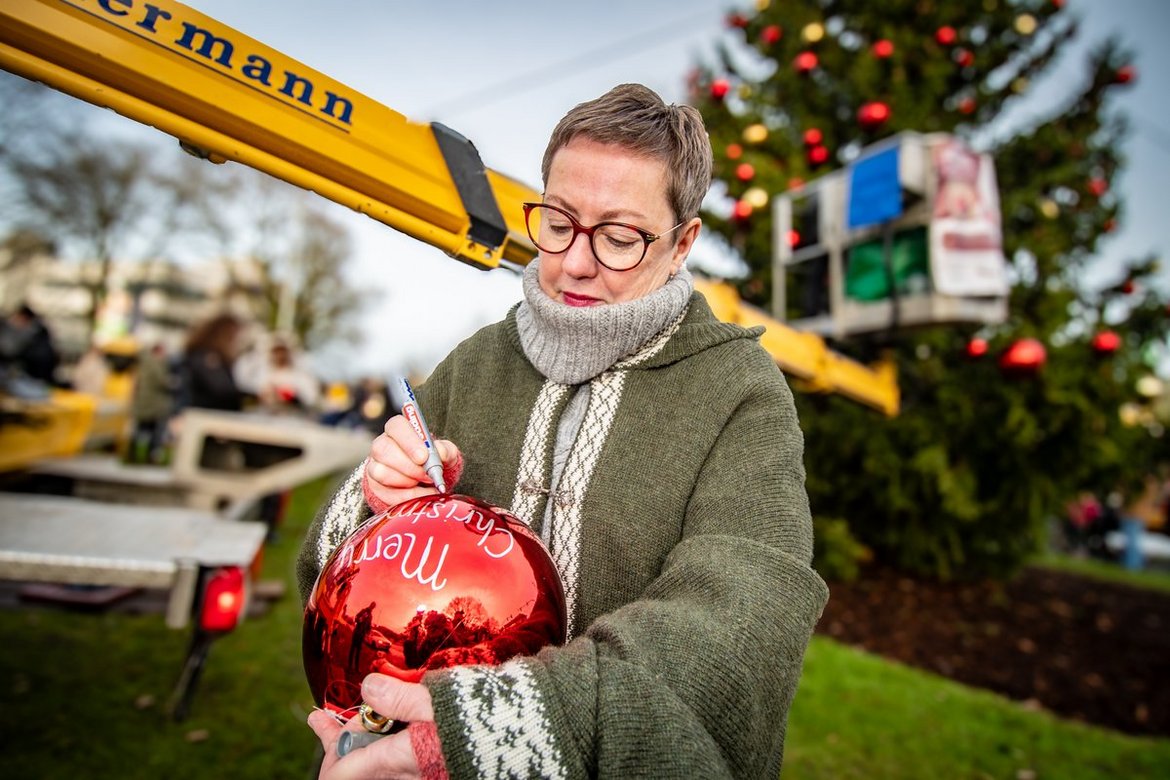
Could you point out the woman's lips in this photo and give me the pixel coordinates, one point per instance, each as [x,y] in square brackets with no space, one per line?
[573,299]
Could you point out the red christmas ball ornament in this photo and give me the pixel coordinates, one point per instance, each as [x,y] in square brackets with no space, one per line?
[1124,75]
[434,582]
[818,155]
[813,136]
[720,88]
[976,348]
[742,210]
[734,151]
[1098,186]
[964,57]
[805,62]
[873,114]
[946,35]
[771,34]
[793,238]
[737,20]
[1023,358]
[883,49]
[967,105]
[1106,342]
[1110,225]
[1058,3]
[795,183]
[745,172]
[1126,287]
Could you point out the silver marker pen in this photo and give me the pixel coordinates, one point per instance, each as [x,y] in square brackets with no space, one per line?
[404,400]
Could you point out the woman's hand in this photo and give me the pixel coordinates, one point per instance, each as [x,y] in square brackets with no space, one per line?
[389,757]
[394,470]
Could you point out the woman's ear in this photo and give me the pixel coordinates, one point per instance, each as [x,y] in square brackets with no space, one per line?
[682,247]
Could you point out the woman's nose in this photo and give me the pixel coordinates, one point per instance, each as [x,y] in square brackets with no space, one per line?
[578,260]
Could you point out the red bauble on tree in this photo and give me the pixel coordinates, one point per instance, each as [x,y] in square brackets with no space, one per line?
[1097,186]
[805,62]
[720,88]
[812,136]
[742,211]
[745,172]
[734,151]
[1125,74]
[964,57]
[737,21]
[873,114]
[946,35]
[771,35]
[967,105]
[883,49]
[976,348]
[1106,342]
[1023,358]
[818,155]
[434,582]
[793,238]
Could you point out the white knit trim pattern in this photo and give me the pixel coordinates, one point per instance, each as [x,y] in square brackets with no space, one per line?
[506,722]
[605,393]
[343,514]
[530,476]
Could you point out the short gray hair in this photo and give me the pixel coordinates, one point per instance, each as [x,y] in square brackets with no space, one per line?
[635,117]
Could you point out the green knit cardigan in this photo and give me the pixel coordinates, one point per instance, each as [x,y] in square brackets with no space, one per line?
[681,527]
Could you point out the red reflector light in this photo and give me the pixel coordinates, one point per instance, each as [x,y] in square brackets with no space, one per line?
[223,600]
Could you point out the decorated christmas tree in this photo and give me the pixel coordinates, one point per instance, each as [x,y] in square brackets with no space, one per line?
[1001,424]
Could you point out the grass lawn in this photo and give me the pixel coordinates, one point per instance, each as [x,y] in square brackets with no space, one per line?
[1150,578]
[84,696]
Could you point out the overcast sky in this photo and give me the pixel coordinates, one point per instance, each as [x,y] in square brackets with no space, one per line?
[447,59]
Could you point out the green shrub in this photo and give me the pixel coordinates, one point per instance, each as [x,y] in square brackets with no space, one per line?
[836,552]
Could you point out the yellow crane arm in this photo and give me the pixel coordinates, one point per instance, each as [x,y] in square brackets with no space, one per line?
[227,96]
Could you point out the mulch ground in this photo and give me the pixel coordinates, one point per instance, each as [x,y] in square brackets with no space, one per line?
[1082,649]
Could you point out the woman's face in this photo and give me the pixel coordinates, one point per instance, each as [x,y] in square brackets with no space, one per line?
[598,182]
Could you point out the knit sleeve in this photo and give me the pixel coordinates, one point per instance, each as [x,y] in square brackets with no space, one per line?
[695,677]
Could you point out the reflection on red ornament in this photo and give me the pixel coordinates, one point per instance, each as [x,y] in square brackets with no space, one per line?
[967,105]
[1023,358]
[813,136]
[818,155]
[793,238]
[964,58]
[1124,75]
[805,61]
[720,88]
[742,210]
[737,20]
[434,582]
[874,114]
[734,151]
[946,35]
[977,348]
[883,49]
[745,172]
[771,34]
[1106,342]
[1098,187]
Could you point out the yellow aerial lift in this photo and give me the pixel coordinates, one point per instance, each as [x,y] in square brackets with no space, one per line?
[226,96]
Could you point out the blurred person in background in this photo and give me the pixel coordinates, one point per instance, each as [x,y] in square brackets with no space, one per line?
[26,346]
[206,377]
[152,405]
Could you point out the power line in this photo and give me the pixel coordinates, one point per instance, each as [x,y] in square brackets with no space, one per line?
[628,46]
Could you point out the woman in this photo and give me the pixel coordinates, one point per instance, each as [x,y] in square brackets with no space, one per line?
[206,371]
[657,452]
